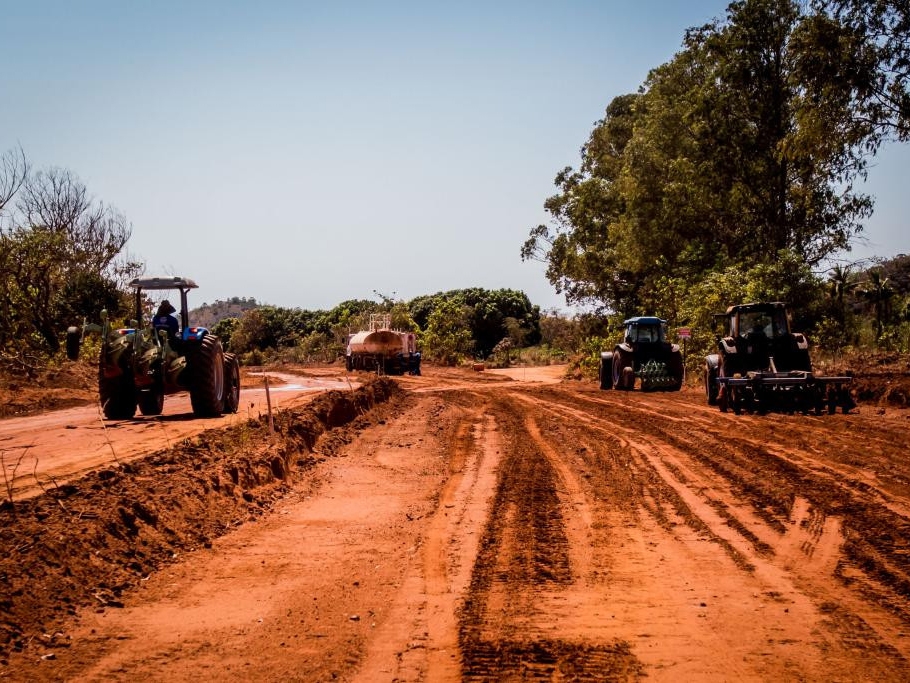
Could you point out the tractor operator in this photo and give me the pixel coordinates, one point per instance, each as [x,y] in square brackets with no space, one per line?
[166,320]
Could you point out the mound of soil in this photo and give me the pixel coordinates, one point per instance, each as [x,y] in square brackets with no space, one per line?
[64,386]
[882,379]
[86,542]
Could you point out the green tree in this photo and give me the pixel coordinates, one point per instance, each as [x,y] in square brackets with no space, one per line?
[225,329]
[710,165]
[487,310]
[251,333]
[59,257]
[857,62]
[878,292]
[447,337]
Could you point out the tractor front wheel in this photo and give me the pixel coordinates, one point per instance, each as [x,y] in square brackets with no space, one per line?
[606,372]
[675,370]
[207,368]
[711,387]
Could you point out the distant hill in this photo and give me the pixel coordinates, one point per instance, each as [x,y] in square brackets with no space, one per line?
[207,315]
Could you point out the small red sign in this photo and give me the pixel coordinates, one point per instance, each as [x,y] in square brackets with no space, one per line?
[683,333]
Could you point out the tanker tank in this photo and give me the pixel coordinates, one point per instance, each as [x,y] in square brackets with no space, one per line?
[382,349]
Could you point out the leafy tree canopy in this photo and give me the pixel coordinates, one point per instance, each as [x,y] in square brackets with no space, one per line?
[729,155]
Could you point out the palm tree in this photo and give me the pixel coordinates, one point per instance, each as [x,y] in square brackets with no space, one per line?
[877,290]
[841,282]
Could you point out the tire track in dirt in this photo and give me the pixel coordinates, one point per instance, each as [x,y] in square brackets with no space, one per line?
[448,548]
[664,572]
[518,620]
[773,478]
[812,567]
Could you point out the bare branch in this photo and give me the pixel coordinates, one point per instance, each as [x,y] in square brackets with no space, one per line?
[14,169]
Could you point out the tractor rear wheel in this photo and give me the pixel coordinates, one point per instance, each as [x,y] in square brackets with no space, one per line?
[231,383]
[206,362]
[622,380]
[118,393]
[606,373]
[711,388]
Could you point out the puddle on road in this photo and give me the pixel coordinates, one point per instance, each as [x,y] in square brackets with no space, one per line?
[292,383]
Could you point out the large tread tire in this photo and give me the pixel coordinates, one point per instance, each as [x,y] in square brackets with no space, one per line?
[675,370]
[621,378]
[231,383]
[73,342]
[151,402]
[117,394]
[206,362]
[711,386]
[606,373]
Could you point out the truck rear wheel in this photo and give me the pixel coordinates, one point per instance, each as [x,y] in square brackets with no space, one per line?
[207,372]
[73,340]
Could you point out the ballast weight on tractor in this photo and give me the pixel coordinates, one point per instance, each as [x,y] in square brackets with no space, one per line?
[762,366]
[141,363]
[644,353]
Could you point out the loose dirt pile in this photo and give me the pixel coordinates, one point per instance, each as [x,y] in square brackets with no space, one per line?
[51,389]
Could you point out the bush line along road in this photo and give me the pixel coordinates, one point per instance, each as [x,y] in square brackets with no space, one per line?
[477,527]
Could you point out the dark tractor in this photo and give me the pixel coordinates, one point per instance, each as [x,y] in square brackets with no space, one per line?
[644,353]
[141,363]
[762,366]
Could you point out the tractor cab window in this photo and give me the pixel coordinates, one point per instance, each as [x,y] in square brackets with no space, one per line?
[646,333]
[755,323]
[779,323]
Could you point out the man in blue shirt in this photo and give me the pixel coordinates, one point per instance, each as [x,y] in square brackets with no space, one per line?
[165,319]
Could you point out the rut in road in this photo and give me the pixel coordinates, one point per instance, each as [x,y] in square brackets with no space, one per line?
[628,537]
[776,482]
[522,569]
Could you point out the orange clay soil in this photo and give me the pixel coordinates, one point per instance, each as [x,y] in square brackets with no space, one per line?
[472,526]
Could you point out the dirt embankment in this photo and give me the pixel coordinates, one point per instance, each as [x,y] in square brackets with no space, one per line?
[73,384]
[90,541]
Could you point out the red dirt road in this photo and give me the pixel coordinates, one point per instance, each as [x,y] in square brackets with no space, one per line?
[57,446]
[488,529]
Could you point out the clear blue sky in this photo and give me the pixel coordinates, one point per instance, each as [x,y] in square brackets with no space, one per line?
[305,153]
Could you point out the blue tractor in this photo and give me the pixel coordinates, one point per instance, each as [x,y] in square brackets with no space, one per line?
[643,353]
[159,355]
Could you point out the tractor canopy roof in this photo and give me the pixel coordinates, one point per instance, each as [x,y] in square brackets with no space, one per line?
[644,320]
[163,282]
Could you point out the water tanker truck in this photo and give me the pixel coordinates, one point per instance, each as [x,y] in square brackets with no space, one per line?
[383,350]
